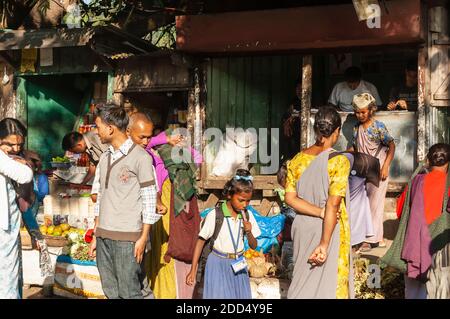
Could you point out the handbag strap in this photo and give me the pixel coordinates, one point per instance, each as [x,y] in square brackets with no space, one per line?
[356,138]
[447,187]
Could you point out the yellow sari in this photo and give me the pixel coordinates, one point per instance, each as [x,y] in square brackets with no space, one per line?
[162,274]
[338,171]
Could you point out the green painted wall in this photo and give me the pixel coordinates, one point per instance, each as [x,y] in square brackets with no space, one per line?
[54,103]
[250,91]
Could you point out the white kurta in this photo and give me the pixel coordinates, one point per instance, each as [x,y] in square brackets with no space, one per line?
[10,252]
[10,249]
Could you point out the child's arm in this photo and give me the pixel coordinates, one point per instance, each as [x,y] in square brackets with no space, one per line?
[252,242]
[387,162]
[301,206]
[190,278]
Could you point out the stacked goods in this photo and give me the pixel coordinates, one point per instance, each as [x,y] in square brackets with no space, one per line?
[57,235]
[77,247]
[269,288]
[76,205]
[60,162]
[258,266]
[62,230]
[77,210]
[59,159]
[76,273]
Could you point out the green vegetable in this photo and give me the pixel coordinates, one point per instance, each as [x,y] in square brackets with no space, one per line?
[59,159]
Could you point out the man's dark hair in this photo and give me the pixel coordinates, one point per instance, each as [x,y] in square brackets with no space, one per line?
[353,74]
[70,140]
[411,65]
[112,114]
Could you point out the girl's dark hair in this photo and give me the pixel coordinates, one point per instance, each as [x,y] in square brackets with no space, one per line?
[282,174]
[10,126]
[240,183]
[112,114]
[439,154]
[326,121]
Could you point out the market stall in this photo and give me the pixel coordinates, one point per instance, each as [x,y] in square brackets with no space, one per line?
[65,220]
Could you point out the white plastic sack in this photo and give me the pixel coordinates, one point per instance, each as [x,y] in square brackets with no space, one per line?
[235,152]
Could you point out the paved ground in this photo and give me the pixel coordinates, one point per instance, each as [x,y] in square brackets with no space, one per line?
[376,253]
[36,292]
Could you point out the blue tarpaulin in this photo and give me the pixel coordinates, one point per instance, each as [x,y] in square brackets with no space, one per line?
[270,226]
[67,259]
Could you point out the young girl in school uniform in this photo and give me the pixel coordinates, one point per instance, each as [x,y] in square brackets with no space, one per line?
[225,276]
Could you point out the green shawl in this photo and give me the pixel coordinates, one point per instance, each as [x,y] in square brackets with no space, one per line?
[182,175]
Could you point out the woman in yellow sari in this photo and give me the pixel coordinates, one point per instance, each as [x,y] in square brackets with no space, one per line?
[322,263]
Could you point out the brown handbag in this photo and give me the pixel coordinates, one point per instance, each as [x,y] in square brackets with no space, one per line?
[183,231]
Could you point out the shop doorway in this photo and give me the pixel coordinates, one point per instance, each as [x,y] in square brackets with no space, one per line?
[53,106]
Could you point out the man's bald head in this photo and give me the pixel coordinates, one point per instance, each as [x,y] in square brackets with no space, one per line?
[140,128]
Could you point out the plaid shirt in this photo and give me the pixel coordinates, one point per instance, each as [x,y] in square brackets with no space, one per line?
[148,194]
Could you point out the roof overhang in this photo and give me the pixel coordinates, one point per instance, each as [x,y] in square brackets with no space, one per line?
[108,41]
[298,29]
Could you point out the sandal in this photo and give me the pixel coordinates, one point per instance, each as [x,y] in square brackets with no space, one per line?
[356,250]
[382,244]
[365,247]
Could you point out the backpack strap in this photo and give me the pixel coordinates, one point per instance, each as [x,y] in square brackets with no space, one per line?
[334,154]
[218,227]
[355,145]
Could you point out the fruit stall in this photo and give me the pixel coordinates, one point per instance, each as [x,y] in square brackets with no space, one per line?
[66,219]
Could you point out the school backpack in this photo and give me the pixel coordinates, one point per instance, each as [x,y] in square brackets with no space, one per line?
[209,244]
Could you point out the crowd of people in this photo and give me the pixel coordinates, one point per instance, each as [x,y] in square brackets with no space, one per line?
[150,241]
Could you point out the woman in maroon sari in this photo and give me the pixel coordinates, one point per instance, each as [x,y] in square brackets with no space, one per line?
[427,197]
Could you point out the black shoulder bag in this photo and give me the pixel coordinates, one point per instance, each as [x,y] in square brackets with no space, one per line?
[367,166]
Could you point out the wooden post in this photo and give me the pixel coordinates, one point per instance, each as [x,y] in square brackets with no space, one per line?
[195,118]
[110,96]
[203,92]
[8,101]
[421,104]
[439,42]
[306,100]
[191,112]
[423,75]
